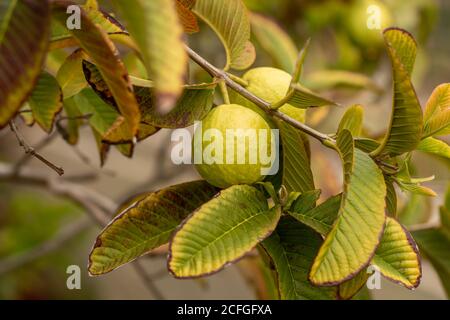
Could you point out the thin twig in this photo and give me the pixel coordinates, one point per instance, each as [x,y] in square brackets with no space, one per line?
[29,150]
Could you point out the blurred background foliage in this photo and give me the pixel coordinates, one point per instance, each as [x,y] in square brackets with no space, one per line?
[346,61]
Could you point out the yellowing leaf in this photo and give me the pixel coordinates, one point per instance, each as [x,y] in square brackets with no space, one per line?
[292,248]
[24,32]
[351,287]
[145,225]
[406,126]
[46,101]
[275,41]
[221,231]
[352,120]
[434,146]
[155,28]
[437,112]
[354,237]
[230,21]
[329,79]
[104,54]
[397,257]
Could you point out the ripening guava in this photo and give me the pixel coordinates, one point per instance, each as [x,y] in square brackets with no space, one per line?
[271,85]
[224,147]
[366,21]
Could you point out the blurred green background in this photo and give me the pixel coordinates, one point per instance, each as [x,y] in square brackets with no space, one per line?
[32,267]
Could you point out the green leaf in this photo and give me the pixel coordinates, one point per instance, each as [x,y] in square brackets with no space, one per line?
[437,112]
[70,75]
[46,101]
[397,257]
[275,41]
[406,125]
[61,37]
[102,51]
[351,287]
[297,175]
[330,79]
[391,197]
[320,218]
[292,248]
[352,120]
[305,202]
[301,97]
[194,104]
[24,32]
[434,146]
[434,244]
[354,237]
[155,27]
[146,225]
[221,231]
[230,21]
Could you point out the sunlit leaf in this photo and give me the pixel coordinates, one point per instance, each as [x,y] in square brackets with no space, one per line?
[102,51]
[437,112]
[46,101]
[155,27]
[406,125]
[275,41]
[230,21]
[221,231]
[146,225]
[24,32]
[354,237]
[292,248]
[352,120]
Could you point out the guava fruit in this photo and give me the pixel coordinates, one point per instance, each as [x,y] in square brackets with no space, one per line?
[224,147]
[366,21]
[271,85]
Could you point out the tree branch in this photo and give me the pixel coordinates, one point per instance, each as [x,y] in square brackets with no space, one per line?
[31,151]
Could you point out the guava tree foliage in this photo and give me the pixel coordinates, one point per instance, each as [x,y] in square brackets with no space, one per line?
[62,76]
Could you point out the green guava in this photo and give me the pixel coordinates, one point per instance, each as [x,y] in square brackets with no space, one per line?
[271,85]
[366,21]
[216,155]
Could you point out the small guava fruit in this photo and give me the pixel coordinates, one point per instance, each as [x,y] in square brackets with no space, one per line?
[224,147]
[271,85]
